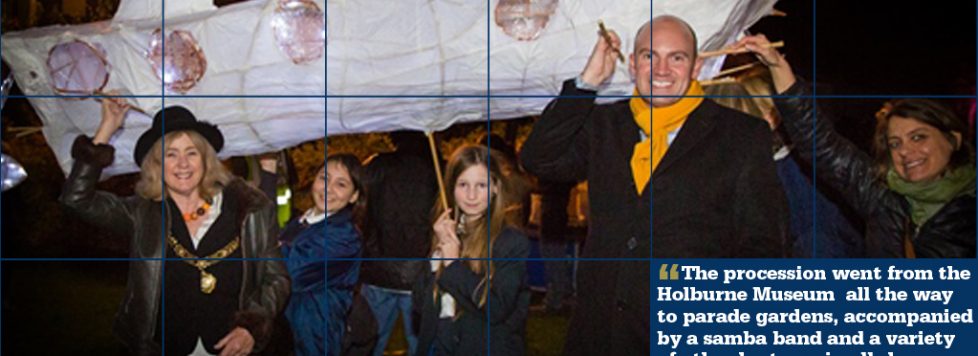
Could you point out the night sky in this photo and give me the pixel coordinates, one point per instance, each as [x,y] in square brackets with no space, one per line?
[880,47]
[876,49]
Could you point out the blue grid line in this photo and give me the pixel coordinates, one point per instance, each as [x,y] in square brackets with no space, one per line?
[1,205]
[499,96]
[651,214]
[362,259]
[326,153]
[163,232]
[814,192]
[194,96]
[489,160]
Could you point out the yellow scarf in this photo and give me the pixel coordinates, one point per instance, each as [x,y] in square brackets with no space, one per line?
[649,152]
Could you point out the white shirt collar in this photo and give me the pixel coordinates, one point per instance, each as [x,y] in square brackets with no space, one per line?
[312,216]
[212,214]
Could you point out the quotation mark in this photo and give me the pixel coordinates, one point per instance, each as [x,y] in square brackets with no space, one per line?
[665,274]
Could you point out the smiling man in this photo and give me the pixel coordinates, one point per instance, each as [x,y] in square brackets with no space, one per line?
[705,171]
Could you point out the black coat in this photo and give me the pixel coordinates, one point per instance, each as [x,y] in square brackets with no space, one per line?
[949,233]
[508,301]
[716,192]
[402,189]
[265,282]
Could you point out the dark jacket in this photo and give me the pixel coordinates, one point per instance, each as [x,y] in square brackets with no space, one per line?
[508,301]
[265,284]
[321,294]
[949,233]
[716,195]
[403,188]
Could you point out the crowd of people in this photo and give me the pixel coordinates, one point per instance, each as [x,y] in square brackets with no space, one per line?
[378,242]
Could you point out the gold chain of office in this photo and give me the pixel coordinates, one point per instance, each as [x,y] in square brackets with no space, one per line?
[207,281]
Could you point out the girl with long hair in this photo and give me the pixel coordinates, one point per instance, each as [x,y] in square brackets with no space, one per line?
[475,278]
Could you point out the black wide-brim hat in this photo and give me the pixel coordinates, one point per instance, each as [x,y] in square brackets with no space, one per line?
[178,118]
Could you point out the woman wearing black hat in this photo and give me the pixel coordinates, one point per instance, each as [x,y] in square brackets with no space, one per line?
[223,284]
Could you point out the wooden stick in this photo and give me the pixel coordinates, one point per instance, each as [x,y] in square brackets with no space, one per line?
[607,38]
[708,54]
[718,81]
[131,107]
[434,160]
[24,131]
[736,69]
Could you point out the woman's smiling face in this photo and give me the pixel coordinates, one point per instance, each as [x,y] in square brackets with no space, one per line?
[919,152]
[338,186]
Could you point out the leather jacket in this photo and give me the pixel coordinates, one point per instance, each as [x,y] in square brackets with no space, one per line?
[839,163]
[265,284]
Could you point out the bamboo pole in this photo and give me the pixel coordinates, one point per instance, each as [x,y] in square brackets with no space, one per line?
[434,161]
[607,38]
[708,54]
[24,131]
[736,69]
[718,81]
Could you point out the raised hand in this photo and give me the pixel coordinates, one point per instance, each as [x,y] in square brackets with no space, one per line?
[781,72]
[601,65]
[448,241]
[113,113]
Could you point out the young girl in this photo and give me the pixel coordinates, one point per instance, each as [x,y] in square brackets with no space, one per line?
[464,293]
[323,292]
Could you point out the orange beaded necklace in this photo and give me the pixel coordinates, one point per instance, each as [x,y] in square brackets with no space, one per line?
[201,211]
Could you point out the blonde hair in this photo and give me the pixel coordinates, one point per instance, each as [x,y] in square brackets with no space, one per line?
[750,94]
[480,234]
[150,185]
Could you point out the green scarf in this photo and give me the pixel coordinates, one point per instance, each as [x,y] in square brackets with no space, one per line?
[926,198]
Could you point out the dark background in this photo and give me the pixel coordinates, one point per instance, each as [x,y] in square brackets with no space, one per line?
[879,47]
[869,51]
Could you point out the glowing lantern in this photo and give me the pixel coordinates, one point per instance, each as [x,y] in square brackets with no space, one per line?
[13,173]
[183,64]
[300,30]
[77,67]
[524,19]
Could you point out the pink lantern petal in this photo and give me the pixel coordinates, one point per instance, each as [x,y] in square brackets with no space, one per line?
[523,20]
[77,67]
[183,64]
[300,30]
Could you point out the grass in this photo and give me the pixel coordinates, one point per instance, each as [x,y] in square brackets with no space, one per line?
[61,308]
[545,334]
[67,308]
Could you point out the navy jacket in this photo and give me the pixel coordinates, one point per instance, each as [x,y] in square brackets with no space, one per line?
[506,308]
